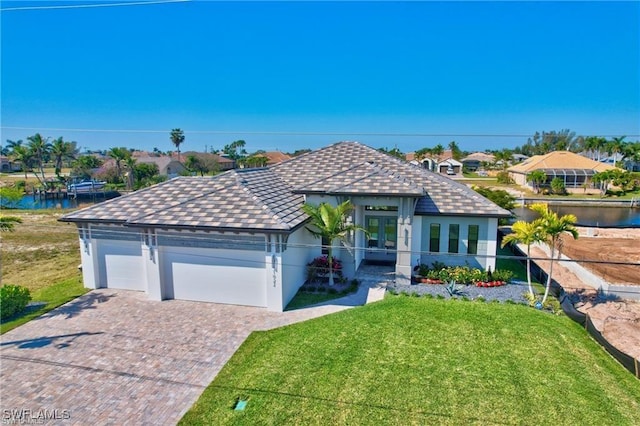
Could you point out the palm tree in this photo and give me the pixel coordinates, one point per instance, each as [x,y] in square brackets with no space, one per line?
[24,156]
[119,155]
[330,223]
[40,147]
[553,228]
[10,146]
[62,150]
[130,162]
[455,150]
[537,177]
[177,137]
[526,233]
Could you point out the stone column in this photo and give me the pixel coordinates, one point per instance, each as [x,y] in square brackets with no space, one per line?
[403,244]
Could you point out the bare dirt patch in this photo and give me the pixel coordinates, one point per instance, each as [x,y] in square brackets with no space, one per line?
[617,320]
[607,246]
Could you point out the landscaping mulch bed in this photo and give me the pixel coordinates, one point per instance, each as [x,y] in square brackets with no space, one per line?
[513,291]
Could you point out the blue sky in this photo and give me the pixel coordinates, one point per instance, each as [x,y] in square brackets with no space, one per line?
[378,72]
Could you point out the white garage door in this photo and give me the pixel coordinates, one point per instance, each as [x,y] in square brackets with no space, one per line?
[121,265]
[215,275]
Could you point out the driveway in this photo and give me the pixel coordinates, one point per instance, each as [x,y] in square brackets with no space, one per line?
[114,357]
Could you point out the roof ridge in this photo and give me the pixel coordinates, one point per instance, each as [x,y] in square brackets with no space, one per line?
[401,177]
[257,198]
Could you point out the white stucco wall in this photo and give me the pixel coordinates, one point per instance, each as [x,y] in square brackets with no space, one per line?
[487,234]
[301,249]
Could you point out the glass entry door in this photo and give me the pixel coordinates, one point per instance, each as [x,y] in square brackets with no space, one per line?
[382,238]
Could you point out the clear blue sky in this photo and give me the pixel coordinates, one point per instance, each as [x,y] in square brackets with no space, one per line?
[452,68]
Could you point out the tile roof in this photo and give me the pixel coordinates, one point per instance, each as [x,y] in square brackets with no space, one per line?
[559,160]
[270,198]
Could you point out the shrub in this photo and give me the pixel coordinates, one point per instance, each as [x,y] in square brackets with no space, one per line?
[13,300]
[502,275]
[503,177]
[557,186]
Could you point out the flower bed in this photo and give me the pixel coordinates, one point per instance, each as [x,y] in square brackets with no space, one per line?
[490,283]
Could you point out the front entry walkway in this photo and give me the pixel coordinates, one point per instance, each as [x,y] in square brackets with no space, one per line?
[115,357]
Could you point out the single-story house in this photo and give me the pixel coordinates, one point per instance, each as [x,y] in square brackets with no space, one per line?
[167,166]
[7,166]
[241,237]
[275,157]
[443,163]
[473,162]
[575,170]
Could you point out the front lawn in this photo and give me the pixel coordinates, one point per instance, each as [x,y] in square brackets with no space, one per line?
[408,360]
[42,255]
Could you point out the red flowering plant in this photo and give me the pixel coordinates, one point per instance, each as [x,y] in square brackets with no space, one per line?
[319,268]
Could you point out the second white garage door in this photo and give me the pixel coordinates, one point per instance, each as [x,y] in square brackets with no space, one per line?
[215,275]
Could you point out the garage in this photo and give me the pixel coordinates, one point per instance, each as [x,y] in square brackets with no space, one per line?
[230,275]
[120,265]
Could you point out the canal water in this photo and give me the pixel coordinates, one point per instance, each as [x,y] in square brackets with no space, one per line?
[604,217]
[29,202]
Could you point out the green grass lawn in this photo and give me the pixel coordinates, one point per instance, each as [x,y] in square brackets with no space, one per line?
[53,296]
[42,255]
[409,360]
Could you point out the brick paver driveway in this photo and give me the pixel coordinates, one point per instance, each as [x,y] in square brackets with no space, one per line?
[114,357]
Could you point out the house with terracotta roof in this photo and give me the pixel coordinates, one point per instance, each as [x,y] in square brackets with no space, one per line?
[575,170]
[240,237]
[473,162]
[167,166]
[275,157]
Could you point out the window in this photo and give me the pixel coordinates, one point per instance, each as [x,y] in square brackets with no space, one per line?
[472,246]
[434,238]
[454,236]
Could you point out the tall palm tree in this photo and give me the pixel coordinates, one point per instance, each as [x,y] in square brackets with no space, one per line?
[119,155]
[62,150]
[39,146]
[526,233]
[24,156]
[130,162]
[553,228]
[330,223]
[177,137]
[10,146]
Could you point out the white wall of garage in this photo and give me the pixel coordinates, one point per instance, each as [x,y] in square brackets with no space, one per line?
[301,249]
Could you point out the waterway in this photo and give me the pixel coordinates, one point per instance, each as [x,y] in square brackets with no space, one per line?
[599,216]
[29,202]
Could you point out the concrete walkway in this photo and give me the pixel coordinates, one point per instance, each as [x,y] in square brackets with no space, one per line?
[115,357]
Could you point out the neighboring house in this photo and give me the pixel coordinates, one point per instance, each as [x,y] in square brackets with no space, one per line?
[275,157]
[224,163]
[575,170]
[444,163]
[241,238]
[6,165]
[473,162]
[167,166]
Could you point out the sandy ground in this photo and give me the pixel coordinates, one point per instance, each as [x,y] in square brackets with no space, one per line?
[618,320]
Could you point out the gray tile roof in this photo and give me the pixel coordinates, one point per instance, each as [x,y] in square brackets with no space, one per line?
[270,198]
